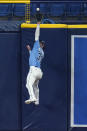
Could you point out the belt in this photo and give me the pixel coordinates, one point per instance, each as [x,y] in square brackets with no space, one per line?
[36,66]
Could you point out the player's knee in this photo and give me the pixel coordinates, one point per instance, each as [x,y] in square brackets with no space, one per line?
[41,75]
[30,84]
[27,86]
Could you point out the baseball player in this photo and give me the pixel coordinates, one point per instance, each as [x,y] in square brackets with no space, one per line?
[35,72]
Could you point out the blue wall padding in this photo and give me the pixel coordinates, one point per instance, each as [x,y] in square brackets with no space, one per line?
[80,109]
[51,114]
[74,32]
[10,81]
[55,0]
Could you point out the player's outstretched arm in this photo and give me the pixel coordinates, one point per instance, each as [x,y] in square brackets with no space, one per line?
[29,48]
[37,32]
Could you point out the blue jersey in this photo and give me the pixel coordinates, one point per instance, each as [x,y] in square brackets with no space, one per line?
[36,55]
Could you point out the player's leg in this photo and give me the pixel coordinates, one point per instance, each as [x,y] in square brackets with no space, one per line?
[36,83]
[30,81]
[36,91]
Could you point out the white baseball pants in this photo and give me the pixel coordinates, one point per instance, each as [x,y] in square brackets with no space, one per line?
[33,77]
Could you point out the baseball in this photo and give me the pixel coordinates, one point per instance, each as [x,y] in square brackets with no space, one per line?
[38,9]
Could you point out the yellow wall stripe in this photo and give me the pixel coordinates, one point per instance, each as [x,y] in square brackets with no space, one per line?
[14,1]
[24,25]
[77,26]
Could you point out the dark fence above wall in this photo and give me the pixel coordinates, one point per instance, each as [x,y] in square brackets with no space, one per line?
[69,12]
[10,25]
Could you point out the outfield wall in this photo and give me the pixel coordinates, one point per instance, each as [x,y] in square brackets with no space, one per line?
[62,89]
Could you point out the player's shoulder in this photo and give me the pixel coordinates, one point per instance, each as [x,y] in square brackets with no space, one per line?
[36,41]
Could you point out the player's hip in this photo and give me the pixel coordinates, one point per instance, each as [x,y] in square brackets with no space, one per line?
[36,72]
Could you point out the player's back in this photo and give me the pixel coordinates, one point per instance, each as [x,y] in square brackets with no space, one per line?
[36,55]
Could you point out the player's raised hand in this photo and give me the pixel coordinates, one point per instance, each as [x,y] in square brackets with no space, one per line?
[38,22]
[38,15]
[28,47]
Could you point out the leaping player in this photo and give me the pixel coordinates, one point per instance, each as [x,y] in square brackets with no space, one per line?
[35,72]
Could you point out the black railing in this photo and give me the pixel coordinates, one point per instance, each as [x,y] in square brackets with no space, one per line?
[59,11]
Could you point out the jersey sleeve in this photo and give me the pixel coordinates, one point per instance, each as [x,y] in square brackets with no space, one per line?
[30,51]
[36,45]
